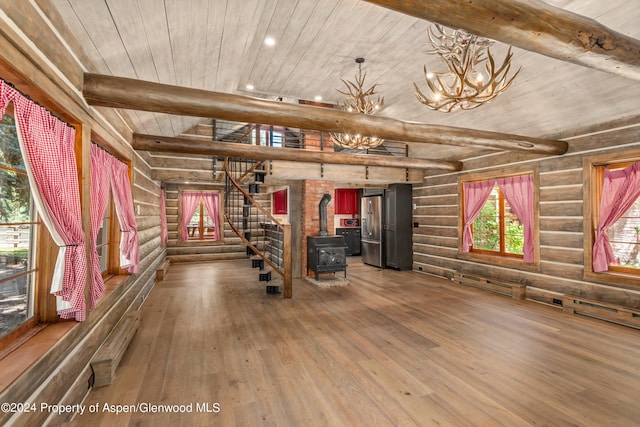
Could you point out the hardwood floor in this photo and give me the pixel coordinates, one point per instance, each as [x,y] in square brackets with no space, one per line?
[393,348]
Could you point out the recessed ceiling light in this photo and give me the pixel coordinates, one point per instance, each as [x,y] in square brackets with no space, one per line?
[269,41]
[249,87]
[318,98]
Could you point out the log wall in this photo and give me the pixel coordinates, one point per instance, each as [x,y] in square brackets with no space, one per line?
[62,373]
[561,222]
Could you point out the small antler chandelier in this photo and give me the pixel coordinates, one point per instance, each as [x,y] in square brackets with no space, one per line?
[472,79]
[360,101]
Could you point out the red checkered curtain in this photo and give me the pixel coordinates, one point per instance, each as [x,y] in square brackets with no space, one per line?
[4,96]
[47,146]
[212,203]
[190,200]
[121,187]
[100,166]
[164,232]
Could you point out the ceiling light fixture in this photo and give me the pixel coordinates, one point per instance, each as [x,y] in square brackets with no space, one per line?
[269,41]
[250,87]
[358,100]
[472,79]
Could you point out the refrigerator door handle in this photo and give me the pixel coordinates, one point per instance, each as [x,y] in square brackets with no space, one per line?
[375,242]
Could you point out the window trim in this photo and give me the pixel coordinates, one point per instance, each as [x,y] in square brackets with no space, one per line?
[508,260]
[592,182]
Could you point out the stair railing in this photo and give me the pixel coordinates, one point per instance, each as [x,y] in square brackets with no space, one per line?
[262,233]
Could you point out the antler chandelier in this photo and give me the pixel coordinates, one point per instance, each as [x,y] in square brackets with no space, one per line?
[360,101]
[472,79]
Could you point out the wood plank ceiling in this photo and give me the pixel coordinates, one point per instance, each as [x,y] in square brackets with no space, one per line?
[218,45]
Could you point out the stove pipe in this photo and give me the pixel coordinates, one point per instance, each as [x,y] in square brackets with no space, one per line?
[326,198]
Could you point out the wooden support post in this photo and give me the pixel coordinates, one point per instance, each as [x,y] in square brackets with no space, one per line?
[287,261]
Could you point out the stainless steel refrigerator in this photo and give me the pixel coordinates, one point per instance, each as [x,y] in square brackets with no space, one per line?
[371,230]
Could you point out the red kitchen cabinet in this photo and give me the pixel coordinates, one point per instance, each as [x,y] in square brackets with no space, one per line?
[346,201]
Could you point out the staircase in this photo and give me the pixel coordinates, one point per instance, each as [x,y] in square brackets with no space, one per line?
[267,241]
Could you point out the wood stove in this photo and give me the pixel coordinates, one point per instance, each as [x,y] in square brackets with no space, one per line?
[326,254]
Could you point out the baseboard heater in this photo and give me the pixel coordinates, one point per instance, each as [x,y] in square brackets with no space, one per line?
[513,290]
[603,311]
[569,304]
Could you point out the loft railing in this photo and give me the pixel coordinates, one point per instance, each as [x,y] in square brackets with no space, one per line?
[257,134]
[270,136]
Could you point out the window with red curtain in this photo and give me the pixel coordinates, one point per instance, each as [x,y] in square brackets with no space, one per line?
[107,223]
[47,145]
[200,216]
[617,239]
[498,217]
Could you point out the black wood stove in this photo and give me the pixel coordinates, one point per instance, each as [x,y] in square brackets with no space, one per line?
[326,254]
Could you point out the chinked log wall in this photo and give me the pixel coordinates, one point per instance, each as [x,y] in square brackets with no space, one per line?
[561,220]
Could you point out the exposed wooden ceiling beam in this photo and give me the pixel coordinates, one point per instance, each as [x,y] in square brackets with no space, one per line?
[534,26]
[216,148]
[120,92]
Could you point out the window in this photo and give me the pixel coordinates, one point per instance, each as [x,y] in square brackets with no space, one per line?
[104,242]
[200,216]
[105,182]
[499,217]
[268,137]
[17,231]
[28,277]
[497,229]
[616,218]
[201,225]
[624,236]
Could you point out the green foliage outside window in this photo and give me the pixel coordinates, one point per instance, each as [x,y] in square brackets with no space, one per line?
[15,197]
[486,235]
[514,237]
[486,228]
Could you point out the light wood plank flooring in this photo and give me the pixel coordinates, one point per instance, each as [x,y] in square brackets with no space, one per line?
[393,348]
